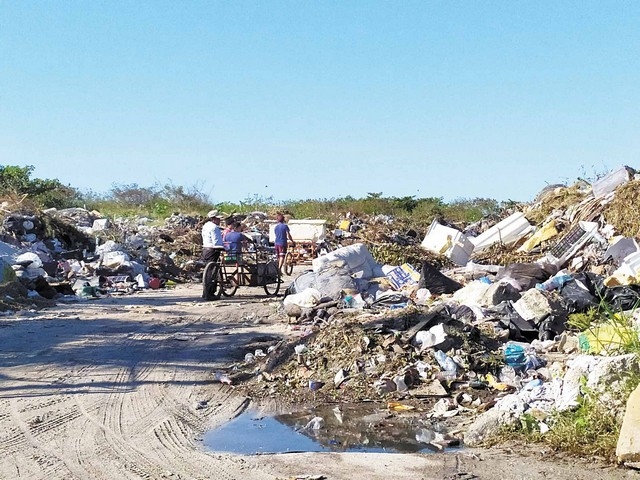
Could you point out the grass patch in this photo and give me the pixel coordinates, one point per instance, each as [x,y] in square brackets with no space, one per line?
[591,430]
[608,330]
[617,212]
[559,198]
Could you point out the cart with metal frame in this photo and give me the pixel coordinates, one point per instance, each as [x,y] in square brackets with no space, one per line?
[256,267]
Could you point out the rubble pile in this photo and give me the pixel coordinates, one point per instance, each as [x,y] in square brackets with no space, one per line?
[492,334]
[74,253]
[367,356]
[490,321]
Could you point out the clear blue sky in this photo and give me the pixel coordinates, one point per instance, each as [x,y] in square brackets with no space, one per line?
[317,99]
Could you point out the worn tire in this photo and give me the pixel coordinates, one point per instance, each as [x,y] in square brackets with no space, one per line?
[274,280]
[229,289]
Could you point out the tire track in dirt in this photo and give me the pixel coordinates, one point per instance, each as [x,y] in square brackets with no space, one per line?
[53,463]
[140,420]
[146,405]
[109,440]
[176,424]
[106,433]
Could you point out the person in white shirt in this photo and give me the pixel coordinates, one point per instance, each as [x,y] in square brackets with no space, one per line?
[212,243]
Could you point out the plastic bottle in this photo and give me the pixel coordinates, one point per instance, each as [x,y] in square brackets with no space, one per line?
[446,363]
[554,283]
[515,356]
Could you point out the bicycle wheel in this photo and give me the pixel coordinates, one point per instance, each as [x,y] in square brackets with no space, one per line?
[288,264]
[272,280]
[272,289]
[229,287]
[211,282]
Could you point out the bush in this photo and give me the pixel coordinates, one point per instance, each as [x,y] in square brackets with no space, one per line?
[45,193]
[157,201]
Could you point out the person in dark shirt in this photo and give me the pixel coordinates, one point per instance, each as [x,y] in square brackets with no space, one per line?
[283,234]
[234,239]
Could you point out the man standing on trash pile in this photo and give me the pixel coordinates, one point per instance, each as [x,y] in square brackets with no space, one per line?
[212,238]
[282,234]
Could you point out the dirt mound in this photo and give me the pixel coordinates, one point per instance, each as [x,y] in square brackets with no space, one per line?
[15,296]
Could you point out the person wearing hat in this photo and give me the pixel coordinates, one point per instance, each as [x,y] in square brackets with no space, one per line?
[212,243]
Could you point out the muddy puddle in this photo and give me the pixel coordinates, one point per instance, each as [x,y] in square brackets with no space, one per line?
[343,428]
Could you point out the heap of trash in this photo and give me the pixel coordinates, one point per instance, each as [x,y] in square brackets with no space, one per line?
[477,324]
[74,254]
[488,333]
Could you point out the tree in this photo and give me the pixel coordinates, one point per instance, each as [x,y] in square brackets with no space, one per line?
[15,180]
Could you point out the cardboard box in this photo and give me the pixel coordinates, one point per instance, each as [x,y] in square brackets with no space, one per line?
[403,275]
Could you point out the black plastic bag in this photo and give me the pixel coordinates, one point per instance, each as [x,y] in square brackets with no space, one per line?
[552,326]
[623,298]
[501,292]
[576,297]
[528,274]
[462,313]
[436,282]
[618,298]
[519,328]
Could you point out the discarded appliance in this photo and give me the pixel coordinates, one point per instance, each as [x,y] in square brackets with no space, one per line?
[509,230]
[449,242]
[303,230]
[573,241]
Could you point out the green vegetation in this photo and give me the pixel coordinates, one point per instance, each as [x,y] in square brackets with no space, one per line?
[421,211]
[17,185]
[159,201]
[591,429]
[605,329]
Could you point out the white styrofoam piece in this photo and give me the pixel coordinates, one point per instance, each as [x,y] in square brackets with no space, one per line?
[610,182]
[449,242]
[509,230]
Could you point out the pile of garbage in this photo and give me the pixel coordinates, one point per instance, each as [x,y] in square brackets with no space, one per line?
[73,254]
[491,335]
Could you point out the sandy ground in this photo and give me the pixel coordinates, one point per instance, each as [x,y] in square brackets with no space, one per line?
[110,389]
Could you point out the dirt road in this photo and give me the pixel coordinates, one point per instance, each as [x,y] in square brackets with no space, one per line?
[122,388]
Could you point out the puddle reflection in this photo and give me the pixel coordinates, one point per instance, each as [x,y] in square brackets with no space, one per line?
[346,428]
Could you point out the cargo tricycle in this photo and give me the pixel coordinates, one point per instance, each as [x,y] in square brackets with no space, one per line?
[254,267]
